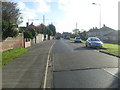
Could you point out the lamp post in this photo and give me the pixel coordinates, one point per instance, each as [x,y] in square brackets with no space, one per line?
[100,13]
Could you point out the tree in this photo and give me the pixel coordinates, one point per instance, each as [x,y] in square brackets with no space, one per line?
[27,34]
[40,28]
[10,12]
[53,29]
[83,35]
[8,30]
[10,17]
[48,31]
[33,32]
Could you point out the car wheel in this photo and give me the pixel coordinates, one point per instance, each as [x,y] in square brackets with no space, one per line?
[89,45]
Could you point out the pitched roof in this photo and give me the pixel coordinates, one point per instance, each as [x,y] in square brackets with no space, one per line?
[106,28]
[115,33]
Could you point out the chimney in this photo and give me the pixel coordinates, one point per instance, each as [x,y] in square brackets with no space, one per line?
[103,25]
[27,24]
[32,23]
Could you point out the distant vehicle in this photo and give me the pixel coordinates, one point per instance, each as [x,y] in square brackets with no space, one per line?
[57,37]
[94,42]
[77,39]
[67,37]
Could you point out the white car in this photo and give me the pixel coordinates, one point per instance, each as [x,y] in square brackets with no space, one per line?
[77,39]
[94,42]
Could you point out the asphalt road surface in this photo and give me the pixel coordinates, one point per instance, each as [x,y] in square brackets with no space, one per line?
[27,71]
[75,66]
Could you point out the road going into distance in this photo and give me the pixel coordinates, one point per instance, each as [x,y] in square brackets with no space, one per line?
[61,64]
[76,66]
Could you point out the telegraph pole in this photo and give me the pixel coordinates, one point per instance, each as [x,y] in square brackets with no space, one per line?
[44,27]
[44,19]
[76,25]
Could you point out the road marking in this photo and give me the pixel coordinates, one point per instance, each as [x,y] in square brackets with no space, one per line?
[46,70]
[112,71]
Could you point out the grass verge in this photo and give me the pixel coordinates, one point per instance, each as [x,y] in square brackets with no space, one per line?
[111,48]
[72,39]
[9,55]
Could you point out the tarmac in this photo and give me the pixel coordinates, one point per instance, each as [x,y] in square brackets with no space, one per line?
[27,71]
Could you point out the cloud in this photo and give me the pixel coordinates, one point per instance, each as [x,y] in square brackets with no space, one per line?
[42,6]
[21,5]
[27,13]
[80,11]
[88,15]
[39,6]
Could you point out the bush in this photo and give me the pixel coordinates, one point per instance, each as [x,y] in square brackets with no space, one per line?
[8,30]
[27,34]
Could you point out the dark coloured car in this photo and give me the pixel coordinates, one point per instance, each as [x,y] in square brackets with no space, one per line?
[67,37]
[58,37]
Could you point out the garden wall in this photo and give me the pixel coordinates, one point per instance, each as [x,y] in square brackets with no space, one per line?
[15,42]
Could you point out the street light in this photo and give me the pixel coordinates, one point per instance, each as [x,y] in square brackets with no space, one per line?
[100,12]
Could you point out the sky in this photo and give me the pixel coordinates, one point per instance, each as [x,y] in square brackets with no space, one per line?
[64,14]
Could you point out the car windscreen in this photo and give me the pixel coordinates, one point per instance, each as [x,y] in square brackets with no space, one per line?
[77,38]
[95,39]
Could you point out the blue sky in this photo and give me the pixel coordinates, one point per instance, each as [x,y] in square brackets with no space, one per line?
[65,13]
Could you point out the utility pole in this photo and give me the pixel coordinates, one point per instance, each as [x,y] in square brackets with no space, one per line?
[44,19]
[44,32]
[76,25]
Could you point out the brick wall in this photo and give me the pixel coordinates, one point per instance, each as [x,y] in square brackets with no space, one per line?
[10,43]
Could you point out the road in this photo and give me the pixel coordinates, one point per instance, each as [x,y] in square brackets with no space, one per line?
[72,65]
[27,71]
[75,66]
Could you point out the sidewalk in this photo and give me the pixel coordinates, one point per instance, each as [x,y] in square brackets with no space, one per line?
[27,71]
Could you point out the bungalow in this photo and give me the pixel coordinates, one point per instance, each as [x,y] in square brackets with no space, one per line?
[105,34]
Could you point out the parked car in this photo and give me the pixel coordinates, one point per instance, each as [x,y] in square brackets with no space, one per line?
[77,39]
[57,37]
[67,37]
[94,42]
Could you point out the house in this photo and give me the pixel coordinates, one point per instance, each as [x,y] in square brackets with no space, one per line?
[105,34]
[29,27]
[100,32]
[66,34]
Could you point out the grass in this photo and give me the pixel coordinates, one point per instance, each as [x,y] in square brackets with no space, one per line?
[83,41]
[9,55]
[72,39]
[111,48]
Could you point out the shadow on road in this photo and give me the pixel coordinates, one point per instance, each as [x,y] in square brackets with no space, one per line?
[85,48]
[116,82]
[76,42]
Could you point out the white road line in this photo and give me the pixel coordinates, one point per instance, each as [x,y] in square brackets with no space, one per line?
[46,70]
[112,71]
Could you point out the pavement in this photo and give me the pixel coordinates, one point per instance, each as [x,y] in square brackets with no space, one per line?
[76,66]
[27,71]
